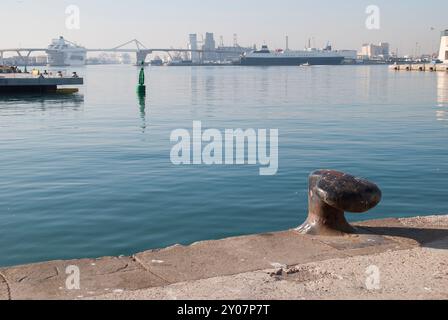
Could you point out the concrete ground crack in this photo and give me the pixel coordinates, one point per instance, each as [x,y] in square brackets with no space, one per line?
[8,287]
[121,269]
[144,266]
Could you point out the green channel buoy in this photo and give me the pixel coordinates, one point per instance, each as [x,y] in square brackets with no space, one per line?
[141,88]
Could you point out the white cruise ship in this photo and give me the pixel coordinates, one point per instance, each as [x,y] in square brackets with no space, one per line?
[62,52]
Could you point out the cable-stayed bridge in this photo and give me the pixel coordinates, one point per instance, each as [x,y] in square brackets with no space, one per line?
[138,49]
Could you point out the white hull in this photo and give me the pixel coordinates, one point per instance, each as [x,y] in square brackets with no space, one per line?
[67,58]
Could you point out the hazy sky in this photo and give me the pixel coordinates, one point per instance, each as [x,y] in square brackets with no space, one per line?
[160,23]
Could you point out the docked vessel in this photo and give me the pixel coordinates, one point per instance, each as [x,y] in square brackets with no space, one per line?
[62,52]
[266,57]
[157,61]
[180,62]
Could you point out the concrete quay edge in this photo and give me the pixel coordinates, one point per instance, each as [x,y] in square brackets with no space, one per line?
[218,258]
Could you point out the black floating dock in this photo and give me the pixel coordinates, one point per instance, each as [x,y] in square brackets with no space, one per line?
[24,83]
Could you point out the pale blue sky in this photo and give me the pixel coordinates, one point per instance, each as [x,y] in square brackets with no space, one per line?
[168,23]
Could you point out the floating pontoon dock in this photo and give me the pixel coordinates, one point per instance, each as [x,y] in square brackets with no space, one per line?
[25,83]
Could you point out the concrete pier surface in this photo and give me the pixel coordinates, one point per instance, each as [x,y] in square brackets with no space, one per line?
[385,259]
[428,67]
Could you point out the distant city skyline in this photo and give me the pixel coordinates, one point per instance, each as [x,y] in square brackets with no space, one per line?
[409,26]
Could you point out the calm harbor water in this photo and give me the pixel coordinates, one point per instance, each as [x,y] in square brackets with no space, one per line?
[90,175]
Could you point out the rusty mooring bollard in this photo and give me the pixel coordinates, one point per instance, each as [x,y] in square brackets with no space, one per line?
[331,194]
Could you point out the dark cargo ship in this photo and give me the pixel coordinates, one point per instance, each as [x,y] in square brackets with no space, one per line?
[266,57]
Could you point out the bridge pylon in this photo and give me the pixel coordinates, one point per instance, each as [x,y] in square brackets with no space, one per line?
[142,52]
[141,57]
[25,58]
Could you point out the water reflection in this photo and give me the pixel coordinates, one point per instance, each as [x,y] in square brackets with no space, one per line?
[442,96]
[194,86]
[210,88]
[33,102]
[373,82]
[142,104]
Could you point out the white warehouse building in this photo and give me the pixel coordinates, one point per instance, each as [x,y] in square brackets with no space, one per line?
[443,54]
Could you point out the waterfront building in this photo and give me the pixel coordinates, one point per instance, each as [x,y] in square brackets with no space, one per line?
[21,61]
[41,60]
[443,54]
[193,45]
[376,51]
[209,45]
